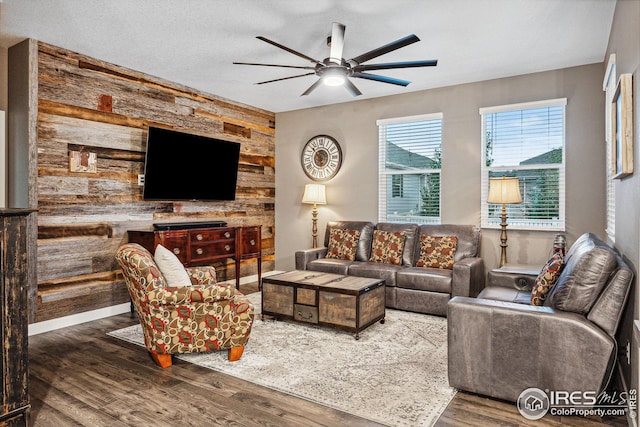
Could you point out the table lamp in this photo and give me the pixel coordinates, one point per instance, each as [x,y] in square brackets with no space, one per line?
[505,191]
[314,194]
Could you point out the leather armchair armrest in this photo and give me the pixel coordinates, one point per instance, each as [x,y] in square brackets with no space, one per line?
[522,278]
[468,277]
[499,349]
[307,255]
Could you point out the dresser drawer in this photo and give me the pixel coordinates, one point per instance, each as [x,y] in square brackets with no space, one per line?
[212,235]
[176,243]
[250,238]
[212,250]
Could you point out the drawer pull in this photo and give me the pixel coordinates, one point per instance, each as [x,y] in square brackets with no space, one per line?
[227,235]
[308,316]
[199,251]
[227,248]
[253,242]
[176,251]
[199,237]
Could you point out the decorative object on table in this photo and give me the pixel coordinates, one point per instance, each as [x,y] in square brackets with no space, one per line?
[335,70]
[622,127]
[395,375]
[321,158]
[314,194]
[560,244]
[504,191]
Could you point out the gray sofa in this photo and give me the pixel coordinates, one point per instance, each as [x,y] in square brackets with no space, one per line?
[499,345]
[411,288]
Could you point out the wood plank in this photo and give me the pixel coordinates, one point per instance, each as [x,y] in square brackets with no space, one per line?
[89,104]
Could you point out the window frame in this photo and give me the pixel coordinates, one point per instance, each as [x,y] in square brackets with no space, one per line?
[485,170]
[382,173]
[609,87]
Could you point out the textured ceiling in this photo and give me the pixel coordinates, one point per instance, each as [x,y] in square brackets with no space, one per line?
[194,42]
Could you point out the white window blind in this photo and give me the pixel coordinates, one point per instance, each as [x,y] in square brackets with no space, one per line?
[410,159]
[526,141]
[609,86]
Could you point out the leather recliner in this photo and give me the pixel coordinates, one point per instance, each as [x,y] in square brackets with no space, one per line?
[499,345]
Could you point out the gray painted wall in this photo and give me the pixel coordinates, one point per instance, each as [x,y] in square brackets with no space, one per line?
[624,41]
[352,194]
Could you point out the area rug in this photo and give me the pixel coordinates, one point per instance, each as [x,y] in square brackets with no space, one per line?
[395,374]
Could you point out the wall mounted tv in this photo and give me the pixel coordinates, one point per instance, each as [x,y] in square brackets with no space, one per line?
[182,166]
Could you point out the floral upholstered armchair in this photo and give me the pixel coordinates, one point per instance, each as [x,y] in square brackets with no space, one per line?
[205,316]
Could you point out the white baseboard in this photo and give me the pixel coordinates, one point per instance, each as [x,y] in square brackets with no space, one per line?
[88,316]
[76,319]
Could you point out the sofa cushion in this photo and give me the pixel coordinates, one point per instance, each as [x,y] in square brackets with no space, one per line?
[387,247]
[410,237]
[588,266]
[373,270]
[343,244]
[425,279]
[171,268]
[363,252]
[499,293]
[468,237]
[437,251]
[333,266]
[546,279]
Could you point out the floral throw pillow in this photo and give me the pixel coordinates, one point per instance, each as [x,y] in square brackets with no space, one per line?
[546,279]
[387,247]
[343,244]
[437,251]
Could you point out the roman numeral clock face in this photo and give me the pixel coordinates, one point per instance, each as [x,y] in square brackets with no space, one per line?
[321,158]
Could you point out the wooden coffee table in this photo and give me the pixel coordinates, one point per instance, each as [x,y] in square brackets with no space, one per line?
[341,302]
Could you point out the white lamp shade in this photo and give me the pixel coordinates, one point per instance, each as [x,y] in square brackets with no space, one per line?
[504,191]
[314,194]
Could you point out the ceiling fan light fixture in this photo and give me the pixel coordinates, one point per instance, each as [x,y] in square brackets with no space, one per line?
[333,77]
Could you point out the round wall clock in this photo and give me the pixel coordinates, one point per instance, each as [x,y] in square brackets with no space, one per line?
[321,158]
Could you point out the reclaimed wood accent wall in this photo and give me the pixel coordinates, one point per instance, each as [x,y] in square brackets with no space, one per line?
[85,104]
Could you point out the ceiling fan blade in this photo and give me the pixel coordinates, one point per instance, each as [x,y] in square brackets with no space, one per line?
[275,65]
[353,90]
[382,79]
[337,43]
[312,87]
[285,78]
[392,65]
[386,48]
[301,55]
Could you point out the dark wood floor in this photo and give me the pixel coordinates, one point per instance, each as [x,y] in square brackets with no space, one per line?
[79,376]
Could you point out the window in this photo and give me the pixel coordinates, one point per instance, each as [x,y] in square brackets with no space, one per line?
[410,158]
[397,186]
[609,86]
[526,141]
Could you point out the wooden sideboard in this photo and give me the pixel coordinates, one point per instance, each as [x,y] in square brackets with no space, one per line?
[14,283]
[205,246]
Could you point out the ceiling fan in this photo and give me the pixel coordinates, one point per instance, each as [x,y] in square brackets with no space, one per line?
[335,70]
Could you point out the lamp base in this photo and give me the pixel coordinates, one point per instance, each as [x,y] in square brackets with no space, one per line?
[503,236]
[314,227]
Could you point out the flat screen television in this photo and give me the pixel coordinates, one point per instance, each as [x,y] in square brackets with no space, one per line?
[182,166]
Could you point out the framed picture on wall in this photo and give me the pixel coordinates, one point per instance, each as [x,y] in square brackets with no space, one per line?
[622,128]
[83,161]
